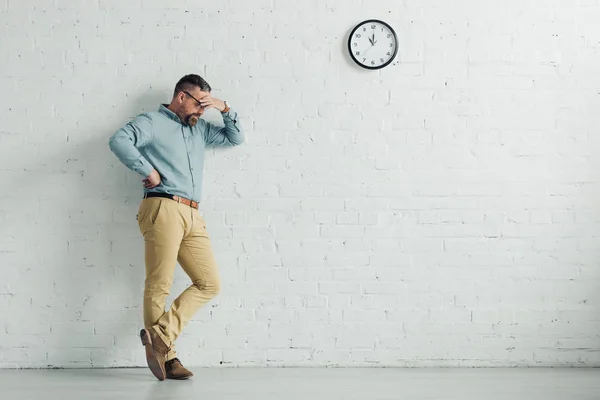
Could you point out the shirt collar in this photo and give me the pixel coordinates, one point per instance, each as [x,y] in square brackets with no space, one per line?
[168,113]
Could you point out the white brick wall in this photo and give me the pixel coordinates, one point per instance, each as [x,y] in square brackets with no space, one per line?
[440,212]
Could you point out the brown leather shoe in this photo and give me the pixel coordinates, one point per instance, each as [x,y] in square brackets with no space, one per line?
[156,352]
[177,371]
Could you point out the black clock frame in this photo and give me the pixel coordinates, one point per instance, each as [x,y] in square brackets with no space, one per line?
[354,31]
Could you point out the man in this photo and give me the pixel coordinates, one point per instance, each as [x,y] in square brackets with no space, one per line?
[166,147]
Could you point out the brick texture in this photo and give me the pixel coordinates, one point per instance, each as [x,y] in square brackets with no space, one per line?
[438,212]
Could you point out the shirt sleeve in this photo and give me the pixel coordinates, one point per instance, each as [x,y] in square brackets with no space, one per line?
[231,134]
[126,141]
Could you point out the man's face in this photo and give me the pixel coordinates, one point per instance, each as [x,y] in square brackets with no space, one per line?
[191,110]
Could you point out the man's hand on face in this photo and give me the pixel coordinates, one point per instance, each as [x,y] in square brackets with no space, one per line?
[152,180]
[212,102]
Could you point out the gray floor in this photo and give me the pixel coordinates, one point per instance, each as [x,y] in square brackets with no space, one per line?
[287,384]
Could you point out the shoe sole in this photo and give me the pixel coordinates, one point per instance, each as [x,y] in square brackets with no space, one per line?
[183,378]
[153,363]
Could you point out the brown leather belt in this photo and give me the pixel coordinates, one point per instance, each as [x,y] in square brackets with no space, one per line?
[182,200]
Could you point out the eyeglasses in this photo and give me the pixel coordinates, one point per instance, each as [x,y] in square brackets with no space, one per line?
[197,101]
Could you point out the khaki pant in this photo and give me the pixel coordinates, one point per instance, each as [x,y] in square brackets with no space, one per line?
[174,232]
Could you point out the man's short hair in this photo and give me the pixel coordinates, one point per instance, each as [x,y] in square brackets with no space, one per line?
[190,81]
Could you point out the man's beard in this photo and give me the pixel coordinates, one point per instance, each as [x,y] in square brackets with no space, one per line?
[192,119]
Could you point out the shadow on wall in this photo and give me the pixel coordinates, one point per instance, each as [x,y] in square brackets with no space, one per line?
[81,270]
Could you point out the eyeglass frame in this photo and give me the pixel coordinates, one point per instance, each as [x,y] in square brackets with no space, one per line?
[197,101]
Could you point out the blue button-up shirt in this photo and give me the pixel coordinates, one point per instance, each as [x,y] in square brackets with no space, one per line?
[158,140]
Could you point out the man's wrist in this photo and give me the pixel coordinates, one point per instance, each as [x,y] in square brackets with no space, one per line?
[226,109]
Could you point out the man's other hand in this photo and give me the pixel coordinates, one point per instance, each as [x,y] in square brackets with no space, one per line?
[152,180]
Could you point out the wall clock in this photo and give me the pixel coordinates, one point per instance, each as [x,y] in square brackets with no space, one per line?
[373,44]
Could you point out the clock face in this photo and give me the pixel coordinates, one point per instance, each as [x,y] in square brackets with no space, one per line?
[373,44]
